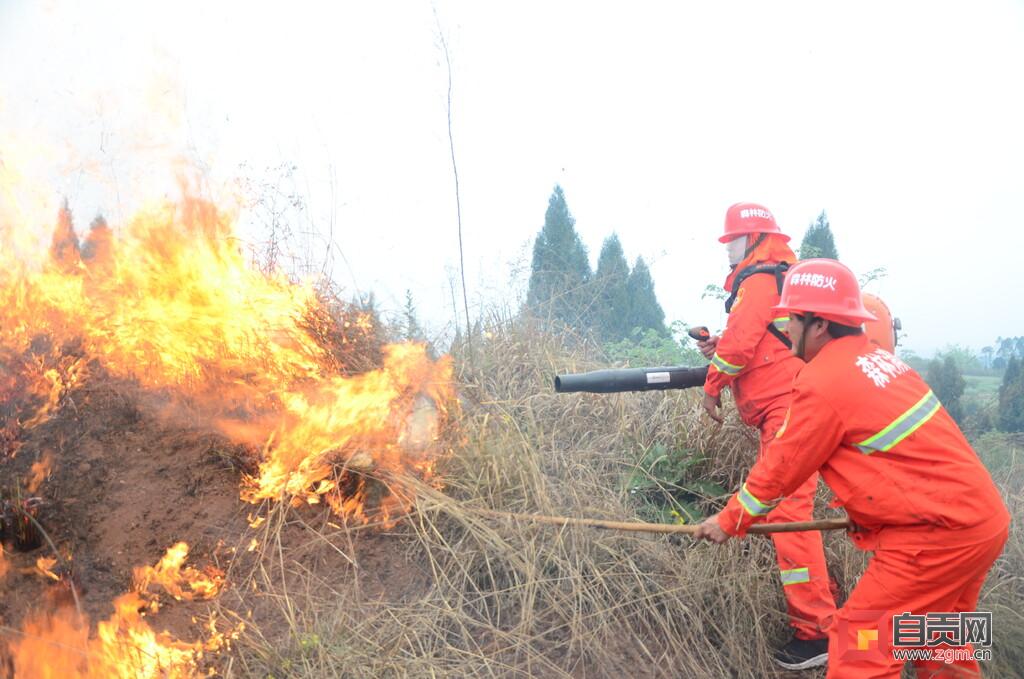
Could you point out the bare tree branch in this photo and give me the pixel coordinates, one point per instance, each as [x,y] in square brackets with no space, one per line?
[455,171]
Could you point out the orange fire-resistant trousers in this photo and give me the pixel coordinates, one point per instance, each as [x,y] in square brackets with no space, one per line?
[917,581]
[809,599]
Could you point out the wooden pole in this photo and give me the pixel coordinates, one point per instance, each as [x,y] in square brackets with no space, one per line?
[642,527]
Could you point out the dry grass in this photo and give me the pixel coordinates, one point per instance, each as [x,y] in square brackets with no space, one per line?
[498,598]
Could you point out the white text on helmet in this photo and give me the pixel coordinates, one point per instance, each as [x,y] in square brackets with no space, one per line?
[755,212]
[814,280]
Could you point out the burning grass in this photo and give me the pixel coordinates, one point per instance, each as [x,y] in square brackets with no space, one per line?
[58,643]
[173,305]
[169,321]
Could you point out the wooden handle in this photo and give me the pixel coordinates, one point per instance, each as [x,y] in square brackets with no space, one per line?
[643,527]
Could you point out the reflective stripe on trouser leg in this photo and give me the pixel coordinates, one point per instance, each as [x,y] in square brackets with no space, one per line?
[810,604]
[809,601]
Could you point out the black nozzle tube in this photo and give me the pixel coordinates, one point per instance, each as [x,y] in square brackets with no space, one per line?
[631,379]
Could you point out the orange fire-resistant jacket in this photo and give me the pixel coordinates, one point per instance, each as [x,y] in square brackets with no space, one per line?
[758,368]
[890,452]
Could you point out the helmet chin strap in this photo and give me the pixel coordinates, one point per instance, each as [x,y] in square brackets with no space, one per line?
[801,345]
[757,241]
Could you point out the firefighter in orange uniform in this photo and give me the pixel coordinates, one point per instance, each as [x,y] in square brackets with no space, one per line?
[917,494]
[752,357]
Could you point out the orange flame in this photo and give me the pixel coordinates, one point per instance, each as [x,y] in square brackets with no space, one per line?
[44,567]
[125,646]
[4,564]
[173,304]
[341,423]
[58,644]
[169,574]
[39,471]
[54,385]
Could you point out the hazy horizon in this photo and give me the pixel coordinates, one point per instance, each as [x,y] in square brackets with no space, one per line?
[901,121]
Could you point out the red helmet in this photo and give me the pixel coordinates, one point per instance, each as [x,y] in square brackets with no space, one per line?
[825,288]
[744,218]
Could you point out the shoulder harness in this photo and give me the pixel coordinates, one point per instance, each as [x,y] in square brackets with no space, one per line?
[779,271]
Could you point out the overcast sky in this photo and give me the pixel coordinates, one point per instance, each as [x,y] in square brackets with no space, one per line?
[902,119]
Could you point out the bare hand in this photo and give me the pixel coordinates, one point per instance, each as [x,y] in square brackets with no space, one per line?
[711,405]
[711,531]
[708,346]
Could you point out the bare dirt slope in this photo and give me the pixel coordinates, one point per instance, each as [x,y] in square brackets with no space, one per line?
[134,473]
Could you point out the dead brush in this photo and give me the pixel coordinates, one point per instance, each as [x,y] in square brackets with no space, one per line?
[516,599]
[510,599]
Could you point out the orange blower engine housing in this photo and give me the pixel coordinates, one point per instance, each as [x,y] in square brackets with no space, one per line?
[885,331]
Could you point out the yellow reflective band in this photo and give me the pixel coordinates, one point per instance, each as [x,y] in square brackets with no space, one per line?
[795,576]
[750,503]
[903,426]
[780,322]
[724,366]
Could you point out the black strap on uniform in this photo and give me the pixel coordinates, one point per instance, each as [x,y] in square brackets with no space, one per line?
[779,335]
[779,271]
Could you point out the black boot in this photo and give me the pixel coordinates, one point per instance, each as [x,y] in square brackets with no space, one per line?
[801,654]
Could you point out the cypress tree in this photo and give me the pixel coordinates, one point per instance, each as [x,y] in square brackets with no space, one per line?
[1011,397]
[818,241]
[946,380]
[560,271]
[613,300]
[64,250]
[411,330]
[644,310]
[98,248]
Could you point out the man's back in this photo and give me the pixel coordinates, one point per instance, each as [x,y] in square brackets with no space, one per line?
[901,461]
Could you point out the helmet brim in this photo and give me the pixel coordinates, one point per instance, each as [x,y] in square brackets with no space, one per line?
[854,318]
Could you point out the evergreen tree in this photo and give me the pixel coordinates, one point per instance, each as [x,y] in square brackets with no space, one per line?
[946,380]
[644,310]
[818,241]
[560,271]
[98,248]
[64,250]
[411,330]
[613,301]
[1011,397]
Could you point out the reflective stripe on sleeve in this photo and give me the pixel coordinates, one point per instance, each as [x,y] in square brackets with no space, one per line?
[750,503]
[724,366]
[795,576]
[903,426]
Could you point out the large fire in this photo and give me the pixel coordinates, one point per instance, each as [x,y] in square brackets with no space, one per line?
[171,303]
